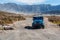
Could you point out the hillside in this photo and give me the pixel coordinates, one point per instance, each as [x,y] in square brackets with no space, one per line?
[41,8]
[8,18]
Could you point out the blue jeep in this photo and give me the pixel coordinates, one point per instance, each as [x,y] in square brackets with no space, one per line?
[38,22]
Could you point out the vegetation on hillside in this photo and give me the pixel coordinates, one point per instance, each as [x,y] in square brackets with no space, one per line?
[54,19]
[8,18]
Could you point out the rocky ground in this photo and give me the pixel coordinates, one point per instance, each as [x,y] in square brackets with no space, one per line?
[51,31]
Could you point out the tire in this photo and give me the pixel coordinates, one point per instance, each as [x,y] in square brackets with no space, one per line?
[42,27]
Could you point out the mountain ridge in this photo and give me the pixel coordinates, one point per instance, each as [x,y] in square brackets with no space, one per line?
[42,8]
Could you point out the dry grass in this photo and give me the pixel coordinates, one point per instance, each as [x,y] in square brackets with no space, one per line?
[54,19]
[8,18]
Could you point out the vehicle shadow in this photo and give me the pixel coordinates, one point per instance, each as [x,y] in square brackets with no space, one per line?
[30,27]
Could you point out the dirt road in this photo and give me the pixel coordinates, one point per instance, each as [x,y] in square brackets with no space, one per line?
[20,33]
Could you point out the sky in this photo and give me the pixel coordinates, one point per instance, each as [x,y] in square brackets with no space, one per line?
[32,2]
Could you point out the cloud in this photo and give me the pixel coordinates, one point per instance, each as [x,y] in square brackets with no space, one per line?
[30,2]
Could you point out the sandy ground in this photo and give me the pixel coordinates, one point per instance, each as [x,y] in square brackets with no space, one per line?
[51,31]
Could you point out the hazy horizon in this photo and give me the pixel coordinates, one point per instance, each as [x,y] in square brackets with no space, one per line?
[32,2]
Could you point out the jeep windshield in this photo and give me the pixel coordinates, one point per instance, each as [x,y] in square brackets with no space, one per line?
[37,18]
